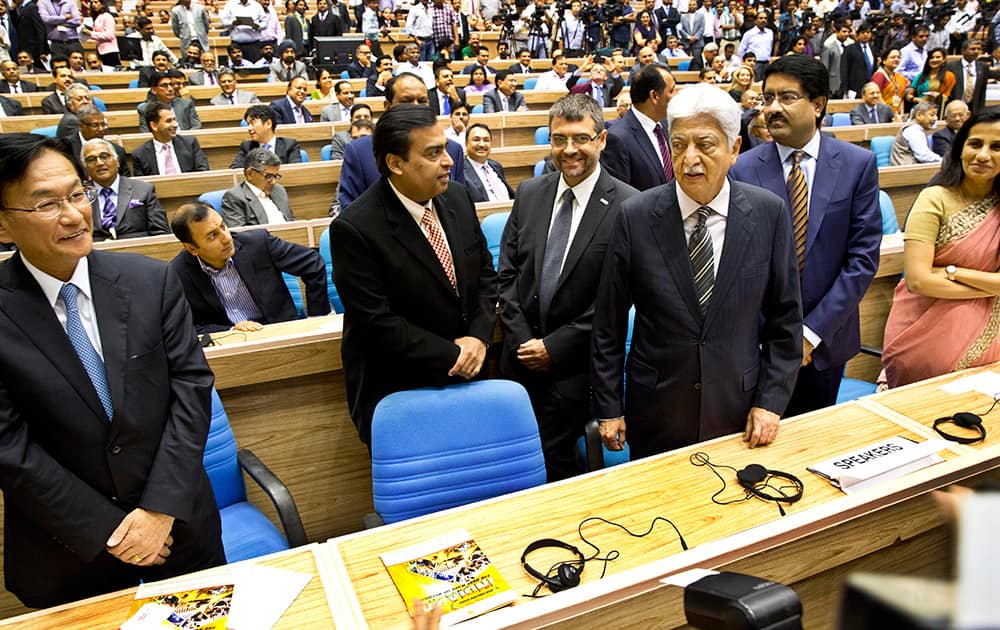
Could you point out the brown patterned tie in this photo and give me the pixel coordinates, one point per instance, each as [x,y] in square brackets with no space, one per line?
[798,195]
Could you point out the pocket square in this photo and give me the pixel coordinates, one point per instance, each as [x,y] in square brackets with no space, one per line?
[135,203]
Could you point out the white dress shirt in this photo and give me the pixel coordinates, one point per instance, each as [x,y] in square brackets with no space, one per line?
[84,300]
[916,137]
[496,190]
[715,222]
[648,125]
[160,164]
[581,197]
[270,208]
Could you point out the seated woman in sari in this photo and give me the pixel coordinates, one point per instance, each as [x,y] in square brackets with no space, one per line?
[945,315]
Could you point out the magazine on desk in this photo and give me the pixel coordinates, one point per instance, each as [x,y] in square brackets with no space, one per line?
[451,571]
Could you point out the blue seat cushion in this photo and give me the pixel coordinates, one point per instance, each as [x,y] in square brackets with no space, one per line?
[852,388]
[247,533]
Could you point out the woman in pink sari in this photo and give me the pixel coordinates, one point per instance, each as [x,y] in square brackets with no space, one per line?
[945,315]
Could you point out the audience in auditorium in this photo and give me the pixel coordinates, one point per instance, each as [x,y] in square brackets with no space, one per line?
[166,153]
[233,280]
[164,88]
[505,98]
[77,95]
[93,123]
[261,127]
[287,67]
[229,93]
[484,178]
[259,199]
[55,103]
[12,83]
[912,146]
[871,110]
[123,207]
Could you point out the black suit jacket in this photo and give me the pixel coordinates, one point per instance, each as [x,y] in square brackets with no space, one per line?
[330,27]
[356,71]
[474,184]
[667,19]
[957,68]
[52,104]
[942,140]
[566,333]
[434,100]
[137,211]
[630,156]
[287,150]
[69,125]
[401,313]
[259,258]
[69,476]
[26,86]
[11,107]
[187,152]
[283,113]
[31,32]
[693,377]
[854,71]
[77,146]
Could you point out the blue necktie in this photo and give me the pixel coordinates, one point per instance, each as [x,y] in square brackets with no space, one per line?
[92,361]
[555,249]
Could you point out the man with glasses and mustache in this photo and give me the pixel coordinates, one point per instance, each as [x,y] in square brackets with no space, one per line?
[105,403]
[831,188]
[259,199]
[93,123]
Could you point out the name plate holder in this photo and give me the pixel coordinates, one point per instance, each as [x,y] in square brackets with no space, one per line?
[873,464]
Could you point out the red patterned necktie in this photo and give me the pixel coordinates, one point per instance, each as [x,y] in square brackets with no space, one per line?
[437,242]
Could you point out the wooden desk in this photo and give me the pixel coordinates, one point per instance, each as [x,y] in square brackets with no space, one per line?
[668,485]
[309,609]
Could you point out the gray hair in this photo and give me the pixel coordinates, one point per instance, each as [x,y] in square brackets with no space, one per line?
[226,71]
[95,141]
[77,87]
[576,107]
[921,107]
[702,99]
[88,110]
[259,159]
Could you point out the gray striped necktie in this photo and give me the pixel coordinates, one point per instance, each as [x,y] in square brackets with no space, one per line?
[702,260]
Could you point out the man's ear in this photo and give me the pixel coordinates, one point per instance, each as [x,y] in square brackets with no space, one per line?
[395,163]
[191,249]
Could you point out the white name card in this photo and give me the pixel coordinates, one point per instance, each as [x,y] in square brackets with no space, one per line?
[882,461]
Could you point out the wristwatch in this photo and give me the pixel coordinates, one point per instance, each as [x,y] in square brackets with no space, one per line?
[950,271]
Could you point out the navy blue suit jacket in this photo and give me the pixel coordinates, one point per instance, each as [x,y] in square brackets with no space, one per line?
[284,115]
[260,258]
[693,377]
[842,240]
[358,170]
[630,156]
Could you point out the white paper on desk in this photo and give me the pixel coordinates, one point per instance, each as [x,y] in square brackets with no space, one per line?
[984,382]
[262,594]
[685,578]
[978,559]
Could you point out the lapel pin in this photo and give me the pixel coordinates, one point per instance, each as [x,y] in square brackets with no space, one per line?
[604,201]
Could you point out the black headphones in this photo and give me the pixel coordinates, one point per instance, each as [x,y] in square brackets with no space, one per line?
[567,574]
[965,420]
[755,474]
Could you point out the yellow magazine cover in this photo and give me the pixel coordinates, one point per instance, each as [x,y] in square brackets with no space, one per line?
[451,571]
[199,607]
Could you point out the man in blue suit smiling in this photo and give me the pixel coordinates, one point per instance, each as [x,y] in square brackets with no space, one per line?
[831,188]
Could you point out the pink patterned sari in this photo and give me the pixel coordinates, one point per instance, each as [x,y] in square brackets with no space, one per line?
[927,337]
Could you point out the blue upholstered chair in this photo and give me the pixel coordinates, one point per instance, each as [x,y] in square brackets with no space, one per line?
[98,103]
[304,155]
[49,131]
[213,198]
[246,532]
[852,388]
[440,447]
[890,225]
[134,83]
[345,75]
[493,231]
[477,109]
[530,83]
[882,147]
[539,168]
[331,288]
[683,65]
[841,119]
[295,290]
[326,153]
[542,135]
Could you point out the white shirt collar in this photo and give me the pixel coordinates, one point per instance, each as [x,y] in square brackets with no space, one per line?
[114,188]
[581,191]
[415,209]
[260,194]
[159,145]
[647,123]
[51,285]
[811,148]
[719,204]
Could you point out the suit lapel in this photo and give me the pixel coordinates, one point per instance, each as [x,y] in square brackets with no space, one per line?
[825,178]
[203,283]
[644,144]
[112,305]
[244,266]
[26,306]
[124,199]
[668,233]
[255,204]
[541,217]
[739,227]
[411,237]
[597,208]
[770,174]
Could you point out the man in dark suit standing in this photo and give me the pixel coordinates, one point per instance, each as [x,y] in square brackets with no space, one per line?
[249,265]
[709,265]
[167,153]
[965,70]
[638,152]
[55,103]
[290,109]
[261,126]
[505,98]
[484,178]
[412,268]
[12,83]
[858,62]
[444,96]
[105,399]
[123,207]
[549,273]
[871,110]
[259,199]
[835,214]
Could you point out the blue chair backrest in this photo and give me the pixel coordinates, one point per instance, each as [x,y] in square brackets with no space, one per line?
[539,168]
[99,104]
[304,155]
[542,135]
[475,441]
[683,65]
[220,458]
[841,119]
[134,83]
[889,223]
[364,92]
[95,88]
[529,84]
[49,131]
[493,226]
[243,123]
[882,148]
[213,198]
[344,74]
[295,290]
[326,153]
[477,109]
[331,288]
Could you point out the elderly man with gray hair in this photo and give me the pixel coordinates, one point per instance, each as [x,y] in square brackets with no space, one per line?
[912,146]
[93,123]
[77,96]
[260,199]
[709,265]
[123,207]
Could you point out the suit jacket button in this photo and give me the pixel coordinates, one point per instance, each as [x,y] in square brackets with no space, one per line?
[697,385]
[116,449]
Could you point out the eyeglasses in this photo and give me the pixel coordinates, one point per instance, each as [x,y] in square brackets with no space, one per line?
[580,139]
[105,157]
[96,125]
[52,208]
[787,99]
[269,177]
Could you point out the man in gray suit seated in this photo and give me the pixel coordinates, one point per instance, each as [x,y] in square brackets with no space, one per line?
[341,108]
[163,86]
[287,67]
[123,207]
[231,94]
[871,110]
[260,199]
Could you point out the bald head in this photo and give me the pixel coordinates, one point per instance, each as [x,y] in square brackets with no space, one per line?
[956,114]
